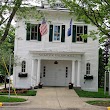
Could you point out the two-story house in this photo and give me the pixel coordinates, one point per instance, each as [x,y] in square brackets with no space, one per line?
[55,59]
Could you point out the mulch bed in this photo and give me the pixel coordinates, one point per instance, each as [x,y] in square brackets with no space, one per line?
[18,91]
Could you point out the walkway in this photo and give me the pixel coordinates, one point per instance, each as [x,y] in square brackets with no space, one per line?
[59,98]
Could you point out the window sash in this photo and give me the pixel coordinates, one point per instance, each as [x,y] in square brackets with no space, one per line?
[88,68]
[34,32]
[23,66]
[79,32]
[56,33]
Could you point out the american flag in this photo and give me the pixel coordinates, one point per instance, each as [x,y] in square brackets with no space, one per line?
[43,27]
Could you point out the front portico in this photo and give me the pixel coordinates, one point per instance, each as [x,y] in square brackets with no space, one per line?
[67,69]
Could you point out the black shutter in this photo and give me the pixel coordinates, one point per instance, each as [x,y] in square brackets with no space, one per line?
[28,31]
[74,34]
[50,33]
[85,32]
[63,34]
[39,35]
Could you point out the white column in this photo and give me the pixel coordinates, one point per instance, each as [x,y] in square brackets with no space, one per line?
[73,72]
[32,73]
[38,70]
[78,74]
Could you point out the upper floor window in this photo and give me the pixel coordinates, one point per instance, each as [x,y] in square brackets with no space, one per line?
[88,68]
[57,34]
[33,32]
[77,32]
[23,69]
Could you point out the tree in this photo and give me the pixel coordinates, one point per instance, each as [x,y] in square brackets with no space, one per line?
[6,49]
[10,8]
[101,69]
[95,12]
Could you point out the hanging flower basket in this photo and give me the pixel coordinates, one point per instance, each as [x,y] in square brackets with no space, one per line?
[88,77]
[22,75]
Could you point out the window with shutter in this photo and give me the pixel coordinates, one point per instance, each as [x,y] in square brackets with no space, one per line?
[57,33]
[33,32]
[77,32]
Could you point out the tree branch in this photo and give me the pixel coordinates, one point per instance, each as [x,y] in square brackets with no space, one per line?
[94,22]
[16,7]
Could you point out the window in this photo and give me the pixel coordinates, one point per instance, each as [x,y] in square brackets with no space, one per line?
[88,68]
[44,71]
[23,66]
[79,33]
[66,72]
[56,34]
[33,32]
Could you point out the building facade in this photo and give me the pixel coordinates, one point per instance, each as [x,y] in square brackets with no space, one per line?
[55,59]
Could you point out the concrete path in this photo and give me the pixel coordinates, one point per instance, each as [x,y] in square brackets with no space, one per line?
[59,98]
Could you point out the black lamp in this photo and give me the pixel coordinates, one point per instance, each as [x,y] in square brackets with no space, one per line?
[55,62]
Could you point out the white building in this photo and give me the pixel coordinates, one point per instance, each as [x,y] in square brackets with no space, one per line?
[55,61]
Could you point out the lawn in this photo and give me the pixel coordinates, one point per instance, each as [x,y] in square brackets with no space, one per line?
[99,103]
[99,94]
[11,99]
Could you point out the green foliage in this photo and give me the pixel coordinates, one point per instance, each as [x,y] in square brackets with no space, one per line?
[8,10]
[95,12]
[6,49]
[99,94]
[29,13]
[30,93]
[11,99]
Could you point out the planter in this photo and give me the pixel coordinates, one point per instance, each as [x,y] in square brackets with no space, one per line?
[40,85]
[70,86]
[88,77]
[22,75]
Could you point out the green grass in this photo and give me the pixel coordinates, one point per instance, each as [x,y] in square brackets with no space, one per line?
[11,99]
[99,94]
[99,103]
[28,93]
